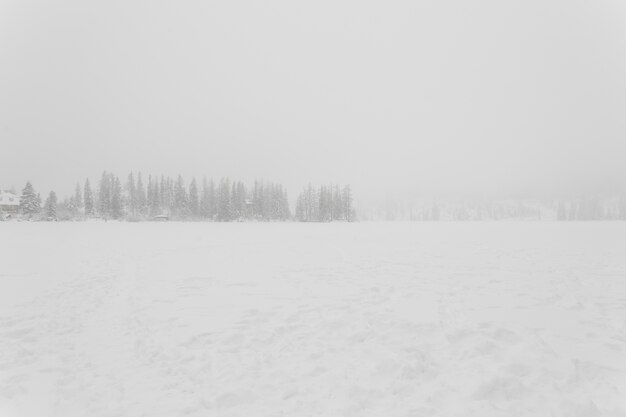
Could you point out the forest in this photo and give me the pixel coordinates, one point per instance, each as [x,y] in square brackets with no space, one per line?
[164,198]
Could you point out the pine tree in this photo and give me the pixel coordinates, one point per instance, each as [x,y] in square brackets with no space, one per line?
[29,204]
[224,212]
[78,197]
[154,199]
[140,193]
[300,208]
[324,205]
[205,203]
[116,198]
[337,205]
[212,200]
[88,197]
[257,200]
[165,195]
[131,194]
[181,203]
[194,201]
[104,198]
[51,206]
[346,200]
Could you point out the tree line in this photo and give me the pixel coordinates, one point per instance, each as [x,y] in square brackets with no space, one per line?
[598,208]
[158,197]
[325,204]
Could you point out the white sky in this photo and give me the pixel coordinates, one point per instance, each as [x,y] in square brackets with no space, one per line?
[429,95]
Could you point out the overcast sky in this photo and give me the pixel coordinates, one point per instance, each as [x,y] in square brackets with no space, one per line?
[429,95]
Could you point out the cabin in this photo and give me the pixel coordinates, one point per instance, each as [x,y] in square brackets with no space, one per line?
[9,203]
[161,218]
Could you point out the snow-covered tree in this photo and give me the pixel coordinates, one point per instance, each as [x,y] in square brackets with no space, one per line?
[181,201]
[78,198]
[194,199]
[116,198]
[224,212]
[346,199]
[30,203]
[88,199]
[140,196]
[131,195]
[104,195]
[50,206]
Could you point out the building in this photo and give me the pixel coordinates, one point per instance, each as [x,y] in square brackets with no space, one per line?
[9,203]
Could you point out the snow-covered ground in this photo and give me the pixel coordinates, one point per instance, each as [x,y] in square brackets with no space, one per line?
[364,319]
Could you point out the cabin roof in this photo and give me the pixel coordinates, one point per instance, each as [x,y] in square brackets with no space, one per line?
[8,199]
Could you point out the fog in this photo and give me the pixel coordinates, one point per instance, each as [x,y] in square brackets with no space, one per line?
[427,96]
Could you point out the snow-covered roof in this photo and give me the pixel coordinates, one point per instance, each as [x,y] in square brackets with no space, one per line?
[8,199]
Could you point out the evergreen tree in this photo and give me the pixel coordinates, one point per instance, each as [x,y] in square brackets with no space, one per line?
[154,196]
[257,200]
[238,200]
[104,198]
[300,208]
[194,200]
[212,200]
[164,192]
[205,203]
[29,203]
[78,197]
[325,201]
[116,198]
[131,195]
[337,205]
[181,204]
[224,212]
[51,206]
[140,194]
[346,200]
[88,197]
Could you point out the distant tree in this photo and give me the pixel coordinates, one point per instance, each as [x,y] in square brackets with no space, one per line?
[164,194]
[104,195]
[194,199]
[212,200]
[325,202]
[205,200]
[140,194]
[117,209]
[29,202]
[257,200]
[131,195]
[50,206]
[88,199]
[337,205]
[330,203]
[300,208]
[154,197]
[78,197]
[181,202]
[224,212]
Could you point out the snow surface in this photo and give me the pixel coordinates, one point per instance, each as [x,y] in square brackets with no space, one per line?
[286,319]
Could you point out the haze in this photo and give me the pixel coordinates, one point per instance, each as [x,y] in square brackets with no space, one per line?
[423,95]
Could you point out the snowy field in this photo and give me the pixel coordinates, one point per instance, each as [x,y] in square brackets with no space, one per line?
[287,319]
